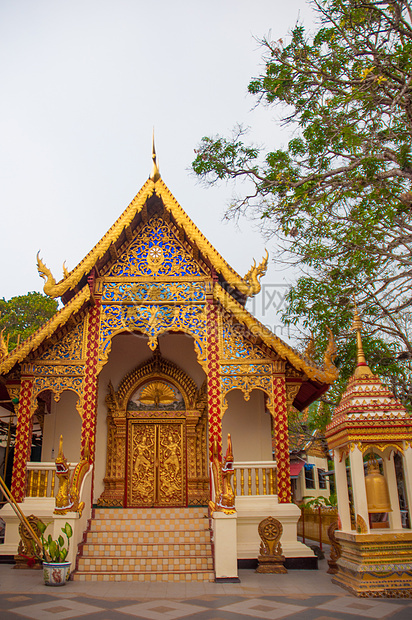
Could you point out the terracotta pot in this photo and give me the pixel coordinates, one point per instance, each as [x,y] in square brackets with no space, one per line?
[56,574]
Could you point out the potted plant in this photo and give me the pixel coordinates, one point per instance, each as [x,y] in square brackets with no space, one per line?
[56,570]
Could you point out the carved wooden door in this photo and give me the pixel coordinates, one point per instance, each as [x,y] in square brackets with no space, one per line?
[156,463]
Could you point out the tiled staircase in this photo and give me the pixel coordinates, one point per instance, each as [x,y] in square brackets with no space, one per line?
[147,544]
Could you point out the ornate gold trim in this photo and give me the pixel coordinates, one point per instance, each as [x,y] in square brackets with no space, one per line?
[326,375]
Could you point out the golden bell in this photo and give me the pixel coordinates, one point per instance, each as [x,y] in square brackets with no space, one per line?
[377,492]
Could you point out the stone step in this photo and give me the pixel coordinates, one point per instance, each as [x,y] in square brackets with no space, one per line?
[148,536]
[177,525]
[150,513]
[144,576]
[147,550]
[153,564]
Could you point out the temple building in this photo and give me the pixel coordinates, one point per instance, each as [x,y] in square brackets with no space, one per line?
[150,363]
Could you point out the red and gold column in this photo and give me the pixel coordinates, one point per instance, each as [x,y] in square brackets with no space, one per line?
[281,438]
[213,378]
[90,381]
[22,449]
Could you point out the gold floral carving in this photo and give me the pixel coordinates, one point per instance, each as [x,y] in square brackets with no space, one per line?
[327,375]
[157,465]
[49,328]
[292,390]
[361,526]
[69,348]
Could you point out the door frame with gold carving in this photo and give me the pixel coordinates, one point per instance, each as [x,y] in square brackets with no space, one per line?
[156,460]
[193,410]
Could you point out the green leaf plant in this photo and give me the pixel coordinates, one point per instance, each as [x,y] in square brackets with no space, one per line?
[56,549]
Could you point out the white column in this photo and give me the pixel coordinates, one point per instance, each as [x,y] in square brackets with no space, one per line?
[358,484]
[395,520]
[342,491]
[225,539]
[407,470]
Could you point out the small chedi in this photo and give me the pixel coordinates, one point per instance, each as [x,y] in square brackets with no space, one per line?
[270,559]
[372,430]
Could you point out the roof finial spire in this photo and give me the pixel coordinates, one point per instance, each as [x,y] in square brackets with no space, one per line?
[155,174]
[362,368]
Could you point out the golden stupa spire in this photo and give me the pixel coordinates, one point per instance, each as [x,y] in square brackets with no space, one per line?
[155,174]
[362,368]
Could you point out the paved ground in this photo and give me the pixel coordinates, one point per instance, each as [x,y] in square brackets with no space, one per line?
[299,595]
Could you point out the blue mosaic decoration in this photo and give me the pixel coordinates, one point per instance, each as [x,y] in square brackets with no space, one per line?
[146,292]
[152,321]
[156,252]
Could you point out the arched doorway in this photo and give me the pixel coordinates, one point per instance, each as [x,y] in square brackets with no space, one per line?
[156,446]
[156,439]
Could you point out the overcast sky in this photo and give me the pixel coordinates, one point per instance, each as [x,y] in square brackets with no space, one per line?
[83,83]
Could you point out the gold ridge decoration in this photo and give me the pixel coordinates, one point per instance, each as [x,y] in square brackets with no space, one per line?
[68,496]
[36,339]
[222,473]
[53,289]
[327,375]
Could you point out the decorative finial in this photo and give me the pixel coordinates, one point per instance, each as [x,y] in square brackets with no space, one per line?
[155,174]
[362,368]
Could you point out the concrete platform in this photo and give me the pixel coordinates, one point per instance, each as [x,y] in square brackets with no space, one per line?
[298,595]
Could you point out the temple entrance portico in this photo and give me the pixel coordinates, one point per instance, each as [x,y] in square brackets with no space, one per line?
[162,360]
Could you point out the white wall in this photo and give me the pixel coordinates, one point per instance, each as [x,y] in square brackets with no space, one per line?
[65,420]
[249,425]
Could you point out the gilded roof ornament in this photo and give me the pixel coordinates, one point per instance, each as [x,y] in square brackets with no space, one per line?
[362,368]
[310,347]
[4,350]
[254,275]
[155,173]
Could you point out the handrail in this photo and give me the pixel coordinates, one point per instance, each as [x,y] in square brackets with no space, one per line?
[23,519]
[262,482]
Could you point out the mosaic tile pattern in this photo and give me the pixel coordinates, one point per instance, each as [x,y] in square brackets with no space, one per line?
[206,607]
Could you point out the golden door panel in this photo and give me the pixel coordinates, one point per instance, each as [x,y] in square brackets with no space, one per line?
[157,463]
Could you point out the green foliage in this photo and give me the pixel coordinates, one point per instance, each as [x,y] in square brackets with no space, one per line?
[316,502]
[24,314]
[55,548]
[338,198]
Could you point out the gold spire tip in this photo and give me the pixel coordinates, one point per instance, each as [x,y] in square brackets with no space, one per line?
[362,367]
[155,173]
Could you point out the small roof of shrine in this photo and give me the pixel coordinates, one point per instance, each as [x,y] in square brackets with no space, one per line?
[368,410]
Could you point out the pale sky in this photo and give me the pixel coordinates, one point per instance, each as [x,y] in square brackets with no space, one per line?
[83,83]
